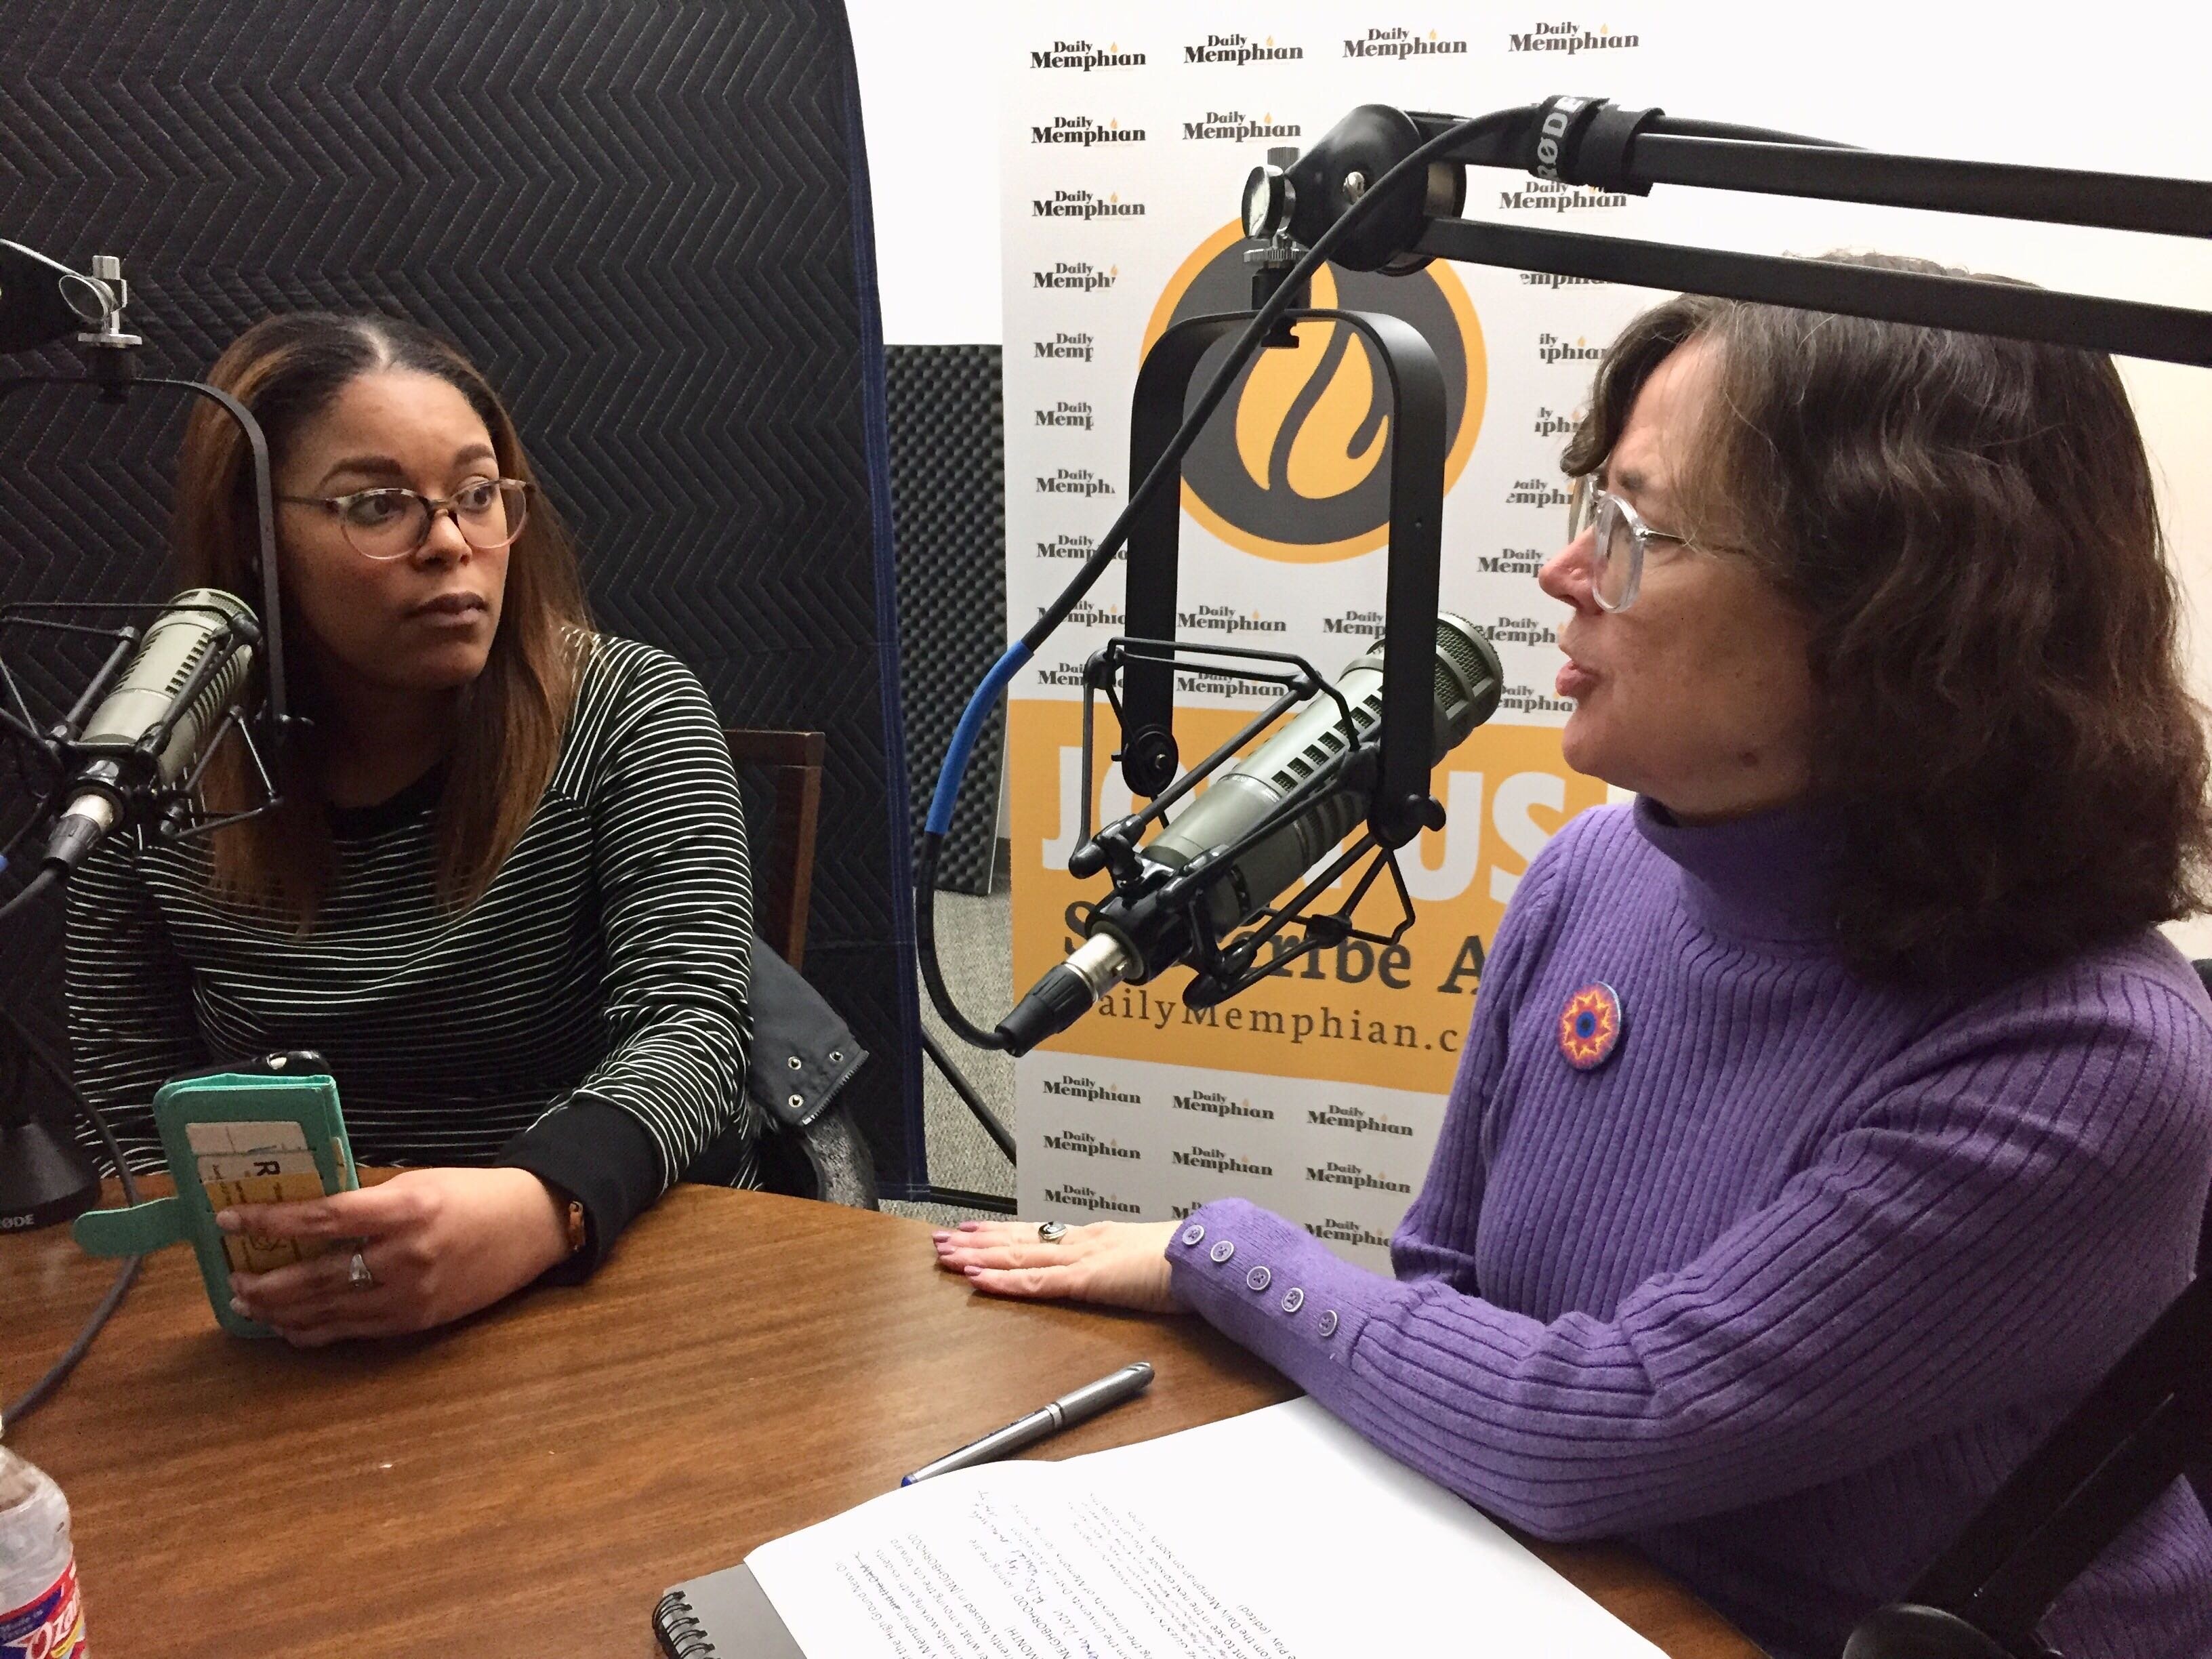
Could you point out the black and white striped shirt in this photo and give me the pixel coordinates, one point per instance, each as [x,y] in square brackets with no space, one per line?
[586,1019]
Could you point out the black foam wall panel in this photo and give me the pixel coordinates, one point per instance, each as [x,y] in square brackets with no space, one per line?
[949,493]
[649,223]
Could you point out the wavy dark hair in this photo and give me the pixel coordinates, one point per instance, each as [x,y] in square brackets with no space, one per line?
[287,369]
[2002,732]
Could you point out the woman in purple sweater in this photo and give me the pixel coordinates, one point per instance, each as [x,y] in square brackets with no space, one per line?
[1892,1125]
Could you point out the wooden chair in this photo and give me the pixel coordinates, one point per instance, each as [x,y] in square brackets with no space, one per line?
[792,763]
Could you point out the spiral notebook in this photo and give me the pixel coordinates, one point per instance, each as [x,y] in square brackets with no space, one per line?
[1263,1537]
[725,1615]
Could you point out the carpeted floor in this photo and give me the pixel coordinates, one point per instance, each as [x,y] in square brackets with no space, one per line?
[974,939]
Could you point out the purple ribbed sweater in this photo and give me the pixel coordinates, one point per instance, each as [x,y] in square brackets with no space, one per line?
[1782,1290]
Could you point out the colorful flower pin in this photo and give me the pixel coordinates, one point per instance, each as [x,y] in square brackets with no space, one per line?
[1589,1026]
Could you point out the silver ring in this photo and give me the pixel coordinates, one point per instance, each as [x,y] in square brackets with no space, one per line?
[357,1273]
[1051,1232]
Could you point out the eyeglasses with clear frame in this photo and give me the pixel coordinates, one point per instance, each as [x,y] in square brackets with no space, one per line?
[390,522]
[1623,538]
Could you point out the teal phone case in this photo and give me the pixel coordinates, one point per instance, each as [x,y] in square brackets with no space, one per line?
[309,1099]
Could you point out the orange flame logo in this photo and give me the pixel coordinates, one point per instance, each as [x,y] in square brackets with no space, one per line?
[1293,470]
[1321,455]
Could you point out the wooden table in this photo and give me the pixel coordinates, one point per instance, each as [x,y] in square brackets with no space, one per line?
[529,1482]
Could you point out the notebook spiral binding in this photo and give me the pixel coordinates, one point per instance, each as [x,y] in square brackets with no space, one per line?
[682,1636]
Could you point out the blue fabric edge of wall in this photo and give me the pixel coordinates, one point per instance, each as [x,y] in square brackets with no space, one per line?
[876,423]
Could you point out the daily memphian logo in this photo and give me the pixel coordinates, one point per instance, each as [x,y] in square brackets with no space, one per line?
[1075,1197]
[1224,686]
[1217,1162]
[1090,614]
[1540,491]
[1067,546]
[1084,205]
[1235,127]
[1358,1121]
[1527,700]
[1294,466]
[1334,1174]
[1227,619]
[1404,43]
[1527,195]
[1362,625]
[1333,1231]
[1082,55]
[1074,413]
[1091,1091]
[1551,349]
[1083,1144]
[1511,562]
[1568,37]
[1075,277]
[1238,51]
[1073,481]
[1083,132]
[1212,1102]
[1523,631]
[1065,348]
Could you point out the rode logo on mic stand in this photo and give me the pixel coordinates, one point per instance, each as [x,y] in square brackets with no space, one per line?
[1294,466]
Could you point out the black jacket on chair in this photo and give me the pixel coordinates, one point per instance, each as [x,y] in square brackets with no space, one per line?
[802,1054]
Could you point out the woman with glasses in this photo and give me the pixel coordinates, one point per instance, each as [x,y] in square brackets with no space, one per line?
[506,894]
[1831,1119]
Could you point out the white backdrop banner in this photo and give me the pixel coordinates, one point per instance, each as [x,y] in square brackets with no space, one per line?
[1128,130]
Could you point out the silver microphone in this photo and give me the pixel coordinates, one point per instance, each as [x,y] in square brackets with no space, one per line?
[1139,938]
[150,729]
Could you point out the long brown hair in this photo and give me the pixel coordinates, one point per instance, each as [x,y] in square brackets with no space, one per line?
[2003,735]
[286,370]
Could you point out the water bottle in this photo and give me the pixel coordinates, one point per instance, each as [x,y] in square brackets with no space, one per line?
[40,1616]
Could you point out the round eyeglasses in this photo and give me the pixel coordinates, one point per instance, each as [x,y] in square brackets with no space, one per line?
[391,523]
[1617,563]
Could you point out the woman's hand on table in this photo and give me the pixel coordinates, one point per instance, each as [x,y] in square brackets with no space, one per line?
[1116,1264]
[437,1244]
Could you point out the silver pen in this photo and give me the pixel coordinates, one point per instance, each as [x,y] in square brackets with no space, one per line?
[1088,1400]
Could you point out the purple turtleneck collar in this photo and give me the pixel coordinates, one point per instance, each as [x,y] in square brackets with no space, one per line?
[1763,879]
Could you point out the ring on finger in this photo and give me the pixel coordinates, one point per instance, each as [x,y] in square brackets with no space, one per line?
[357,1273]
[1051,1232]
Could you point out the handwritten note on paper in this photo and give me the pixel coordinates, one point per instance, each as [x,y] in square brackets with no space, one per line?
[1279,1534]
[1010,1579]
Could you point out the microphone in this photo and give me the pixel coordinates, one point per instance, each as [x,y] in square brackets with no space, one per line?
[151,730]
[1135,934]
